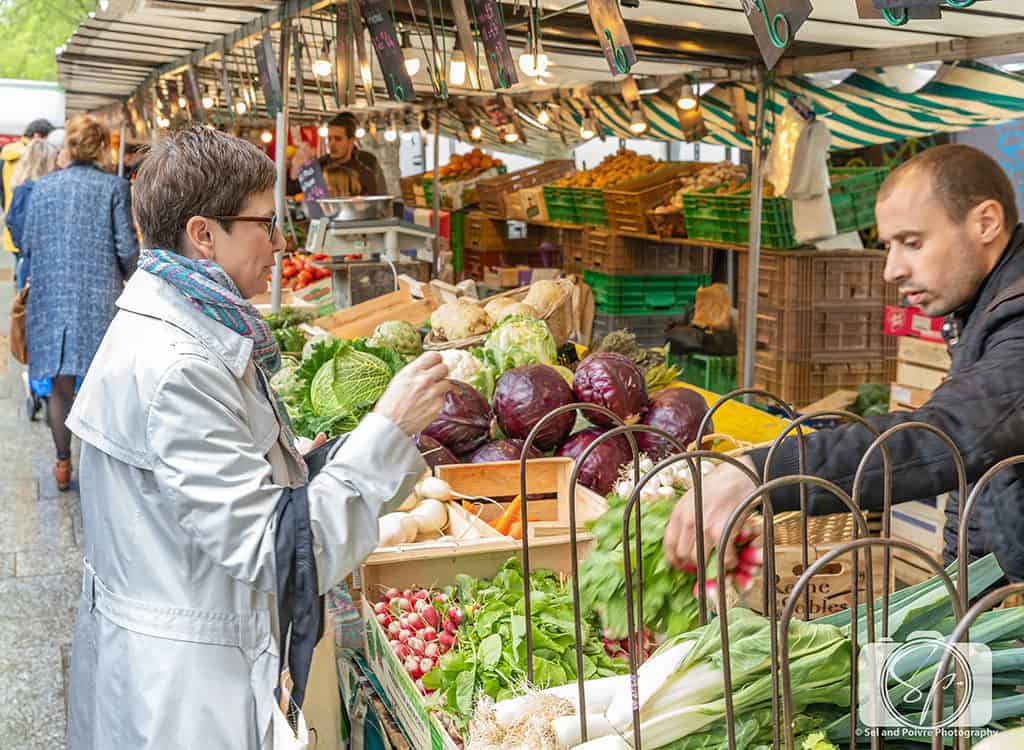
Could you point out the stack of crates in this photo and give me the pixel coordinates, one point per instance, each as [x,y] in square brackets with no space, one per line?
[641,286]
[820,323]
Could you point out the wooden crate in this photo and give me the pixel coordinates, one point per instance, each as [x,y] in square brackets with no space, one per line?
[906,398]
[413,303]
[802,279]
[803,382]
[829,590]
[527,205]
[494,192]
[921,524]
[484,233]
[922,352]
[408,187]
[627,204]
[917,376]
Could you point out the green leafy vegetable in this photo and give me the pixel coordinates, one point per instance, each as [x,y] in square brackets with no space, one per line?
[490,654]
[520,340]
[350,383]
[670,606]
[398,335]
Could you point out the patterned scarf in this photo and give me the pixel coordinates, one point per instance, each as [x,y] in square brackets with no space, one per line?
[209,288]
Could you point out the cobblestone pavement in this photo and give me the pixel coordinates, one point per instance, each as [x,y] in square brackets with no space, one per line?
[40,566]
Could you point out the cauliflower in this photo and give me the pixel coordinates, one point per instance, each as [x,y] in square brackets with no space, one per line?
[459,320]
[398,335]
[501,307]
[463,366]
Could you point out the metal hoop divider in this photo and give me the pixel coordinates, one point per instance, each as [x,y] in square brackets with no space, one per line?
[819,564]
[698,481]
[959,633]
[770,604]
[880,441]
[634,645]
[634,500]
[966,508]
[763,495]
[524,521]
[770,459]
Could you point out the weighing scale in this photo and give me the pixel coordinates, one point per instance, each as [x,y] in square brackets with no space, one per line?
[381,244]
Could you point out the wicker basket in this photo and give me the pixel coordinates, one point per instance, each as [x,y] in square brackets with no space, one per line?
[559,320]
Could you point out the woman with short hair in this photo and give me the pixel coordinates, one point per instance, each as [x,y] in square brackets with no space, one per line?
[206,533]
[82,244]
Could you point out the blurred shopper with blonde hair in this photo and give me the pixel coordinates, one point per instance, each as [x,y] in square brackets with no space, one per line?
[39,159]
[82,246]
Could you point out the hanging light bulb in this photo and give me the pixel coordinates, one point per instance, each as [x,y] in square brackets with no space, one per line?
[360,132]
[322,64]
[544,117]
[266,136]
[588,129]
[208,99]
[534,64]
[391,134]
[476,133]
[163,121]
[182,102]
[240,107]
[637,121]
[457,69]
[412,61]
[687,100]
[322,130]
[510,136]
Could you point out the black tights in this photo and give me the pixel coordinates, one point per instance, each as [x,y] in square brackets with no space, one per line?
[62,394]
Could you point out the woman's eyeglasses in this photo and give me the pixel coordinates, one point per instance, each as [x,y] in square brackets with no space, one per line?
[270,221]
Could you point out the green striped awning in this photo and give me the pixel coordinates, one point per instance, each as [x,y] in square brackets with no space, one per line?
[861,111]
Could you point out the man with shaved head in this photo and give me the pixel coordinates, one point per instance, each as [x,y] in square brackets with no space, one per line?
[950,224]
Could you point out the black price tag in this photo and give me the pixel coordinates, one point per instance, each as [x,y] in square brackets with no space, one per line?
[270,81]
[775,23]
[611,32]
[314,187]
[389,52]
[491,25]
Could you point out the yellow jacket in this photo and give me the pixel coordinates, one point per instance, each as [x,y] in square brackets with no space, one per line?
[9,156]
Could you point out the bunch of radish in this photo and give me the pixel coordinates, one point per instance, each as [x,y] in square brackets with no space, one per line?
[421,626]
[619,649]
[749,559]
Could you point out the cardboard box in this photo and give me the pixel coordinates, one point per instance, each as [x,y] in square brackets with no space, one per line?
[527,205]
[916,376]
[910,321]
[504,277]
[921,352]
[921,524]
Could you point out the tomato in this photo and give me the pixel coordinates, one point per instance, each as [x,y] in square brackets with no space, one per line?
[305,276]
[289,271]
[323,273]
[321,256]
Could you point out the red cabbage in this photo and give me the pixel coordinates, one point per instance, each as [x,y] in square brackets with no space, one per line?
[465,421]
[433,452]
[503,450]
[611,380]
[526,395]
[677,411]
[601,468]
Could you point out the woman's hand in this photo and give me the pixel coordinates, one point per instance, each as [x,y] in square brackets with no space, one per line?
[306,446]
[416,394]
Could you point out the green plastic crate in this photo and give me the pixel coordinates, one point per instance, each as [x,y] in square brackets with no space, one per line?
[560,204]
[458,233]
[590,210]
[859,185]
[644,295]
[715,374]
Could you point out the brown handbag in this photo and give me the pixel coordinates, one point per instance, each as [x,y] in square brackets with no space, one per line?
[19,346]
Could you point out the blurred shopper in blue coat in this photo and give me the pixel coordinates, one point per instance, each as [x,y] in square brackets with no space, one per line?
[81,242]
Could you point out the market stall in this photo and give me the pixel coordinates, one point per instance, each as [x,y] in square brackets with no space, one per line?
[505,606]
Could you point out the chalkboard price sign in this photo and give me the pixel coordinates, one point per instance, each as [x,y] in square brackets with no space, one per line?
[491,25]
[195,102]
[775,23]
[389,52]
[314,187]
[270,81]
[612,33]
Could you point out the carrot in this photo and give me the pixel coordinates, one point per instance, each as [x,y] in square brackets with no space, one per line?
[470,507]
[504,524]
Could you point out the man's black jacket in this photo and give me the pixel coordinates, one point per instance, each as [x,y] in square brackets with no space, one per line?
[980,406]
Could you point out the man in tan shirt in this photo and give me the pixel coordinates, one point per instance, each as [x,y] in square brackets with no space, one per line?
[348,170]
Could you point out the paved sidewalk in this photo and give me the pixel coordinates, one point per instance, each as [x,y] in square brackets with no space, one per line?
[40,566]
